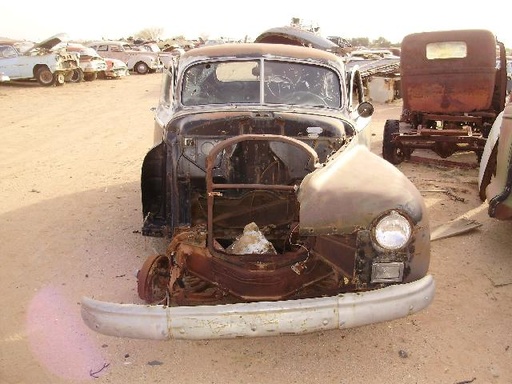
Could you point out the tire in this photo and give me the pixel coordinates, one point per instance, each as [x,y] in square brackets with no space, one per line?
[60,79]
[45,77]
[141,68]
[91,76]
[390,151]
[77,76]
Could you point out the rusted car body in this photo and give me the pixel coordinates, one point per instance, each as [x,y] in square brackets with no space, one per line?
[452,92]
[262,181]
[495,173]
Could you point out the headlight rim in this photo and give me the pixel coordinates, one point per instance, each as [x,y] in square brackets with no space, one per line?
[379,220]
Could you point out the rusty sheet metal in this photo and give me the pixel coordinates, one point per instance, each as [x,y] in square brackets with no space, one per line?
[264,280]
[441,85]
[322,212]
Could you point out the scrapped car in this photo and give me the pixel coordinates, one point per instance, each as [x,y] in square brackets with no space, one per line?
[278,217]
[495,172]
[19,61]
[378,65]
[452,91]
[141,62]
[116,69]
[91,64]
[165,57]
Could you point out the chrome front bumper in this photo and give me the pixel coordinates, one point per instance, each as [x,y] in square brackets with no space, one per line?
[258,318]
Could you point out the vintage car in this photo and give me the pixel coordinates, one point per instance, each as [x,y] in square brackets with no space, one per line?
[19,61]
[141,62]
[116,69]
[452,91]
[376,72]
[165,57]
[495,172]
[278,218]
[91,64]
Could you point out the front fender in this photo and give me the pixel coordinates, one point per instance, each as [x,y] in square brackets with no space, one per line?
[353,189]
[490,143]
[498,192]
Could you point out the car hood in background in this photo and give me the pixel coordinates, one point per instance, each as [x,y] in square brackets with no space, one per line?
[50,42]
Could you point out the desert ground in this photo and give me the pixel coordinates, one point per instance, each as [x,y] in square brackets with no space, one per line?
[70,217]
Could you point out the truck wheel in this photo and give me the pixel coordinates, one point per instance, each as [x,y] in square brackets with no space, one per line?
[45,77]
[153,279]
[90,76]
[141,68]
[390,151]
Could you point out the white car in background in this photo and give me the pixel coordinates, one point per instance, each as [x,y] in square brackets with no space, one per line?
[91,64]
[20,60]
[141,62]
[116,69]
[165,57]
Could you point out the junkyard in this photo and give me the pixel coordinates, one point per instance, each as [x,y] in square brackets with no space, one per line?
[71,220]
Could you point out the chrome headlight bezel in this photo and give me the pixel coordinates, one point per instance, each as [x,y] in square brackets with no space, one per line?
[392,231]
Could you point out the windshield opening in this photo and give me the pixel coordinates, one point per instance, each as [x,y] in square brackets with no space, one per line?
[265,81]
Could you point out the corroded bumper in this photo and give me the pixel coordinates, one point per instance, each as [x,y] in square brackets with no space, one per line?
[258,318]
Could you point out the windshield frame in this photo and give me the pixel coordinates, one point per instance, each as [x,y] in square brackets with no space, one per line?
[266,81]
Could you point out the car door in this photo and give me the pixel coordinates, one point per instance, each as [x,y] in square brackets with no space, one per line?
[165,108]
[117,52]
[9,62]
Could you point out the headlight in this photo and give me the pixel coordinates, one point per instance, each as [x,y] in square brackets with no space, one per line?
[393,231]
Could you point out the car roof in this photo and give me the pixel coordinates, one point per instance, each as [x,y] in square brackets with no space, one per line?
[259,49]
[295,36]
[108,42]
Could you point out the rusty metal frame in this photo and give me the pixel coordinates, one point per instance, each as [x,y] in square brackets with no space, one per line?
[211,187]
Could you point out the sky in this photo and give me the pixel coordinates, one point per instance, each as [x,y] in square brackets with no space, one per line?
[37,20]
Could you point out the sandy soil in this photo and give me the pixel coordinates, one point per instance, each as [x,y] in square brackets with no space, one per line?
[70,218]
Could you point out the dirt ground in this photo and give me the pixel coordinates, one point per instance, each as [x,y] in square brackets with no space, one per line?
[70,219]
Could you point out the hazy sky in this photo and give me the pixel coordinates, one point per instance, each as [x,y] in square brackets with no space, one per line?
[94,19]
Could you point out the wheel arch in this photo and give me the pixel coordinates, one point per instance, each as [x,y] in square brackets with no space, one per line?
[37,67]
